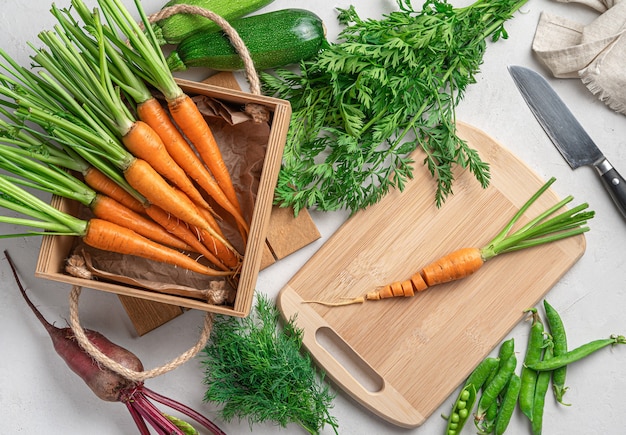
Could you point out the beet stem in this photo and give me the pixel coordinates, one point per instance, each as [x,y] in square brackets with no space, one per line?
[49,326]
[152,414]
[180,407]
[138,419]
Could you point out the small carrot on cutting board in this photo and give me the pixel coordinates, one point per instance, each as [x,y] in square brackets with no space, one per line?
[553,224]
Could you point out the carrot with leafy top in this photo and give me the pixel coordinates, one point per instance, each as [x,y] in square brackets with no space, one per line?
[91,137]
[105,185]
[94,88]
[113,202]
[97,233]
[150,110]
[544,228]
[40,176]
[149,61]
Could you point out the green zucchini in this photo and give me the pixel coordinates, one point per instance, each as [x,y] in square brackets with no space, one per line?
[175,28]
[273,39]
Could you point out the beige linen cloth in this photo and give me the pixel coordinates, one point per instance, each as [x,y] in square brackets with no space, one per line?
[595,53]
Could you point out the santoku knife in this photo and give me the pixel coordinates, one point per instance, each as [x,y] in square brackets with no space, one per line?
[566,133]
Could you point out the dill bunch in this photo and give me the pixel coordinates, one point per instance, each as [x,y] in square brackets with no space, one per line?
[388,87]
[259,372]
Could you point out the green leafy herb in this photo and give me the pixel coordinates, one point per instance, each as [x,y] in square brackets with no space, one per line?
[387,87]
[259,372]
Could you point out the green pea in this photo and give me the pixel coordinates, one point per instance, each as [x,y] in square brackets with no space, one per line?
[463,413]
[465,395]
[455,417]
[461,404]
[559,338]
[576,354]
[528,375]
[509,400]
[497,384]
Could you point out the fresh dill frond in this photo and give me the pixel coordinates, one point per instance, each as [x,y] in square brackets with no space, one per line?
[258,371]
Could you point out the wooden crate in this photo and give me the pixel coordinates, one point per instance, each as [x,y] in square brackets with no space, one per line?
[55,249]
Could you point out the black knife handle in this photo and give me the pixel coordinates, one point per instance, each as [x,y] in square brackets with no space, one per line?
[614,184]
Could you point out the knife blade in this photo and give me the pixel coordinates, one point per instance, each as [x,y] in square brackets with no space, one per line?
[566,133]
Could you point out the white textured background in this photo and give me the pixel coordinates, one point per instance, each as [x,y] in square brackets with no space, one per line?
[39,395]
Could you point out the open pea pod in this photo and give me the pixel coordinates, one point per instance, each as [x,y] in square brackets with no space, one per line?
[461,410]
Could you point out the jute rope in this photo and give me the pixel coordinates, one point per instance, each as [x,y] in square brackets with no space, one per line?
[235,39]
[258,113]
[137,376]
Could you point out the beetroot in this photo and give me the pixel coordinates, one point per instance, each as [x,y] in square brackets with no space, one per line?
[109,385]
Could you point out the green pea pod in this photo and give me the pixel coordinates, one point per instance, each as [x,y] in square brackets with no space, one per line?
[497,384]
[506,409]
[507,348]
[576,354]
[486,424]
[541,388]
[461,409]
[481,373]
[559,338]
[528,375]
[467,395]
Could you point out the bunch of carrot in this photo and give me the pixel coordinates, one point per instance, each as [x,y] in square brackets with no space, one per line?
[154,177]
[555,223]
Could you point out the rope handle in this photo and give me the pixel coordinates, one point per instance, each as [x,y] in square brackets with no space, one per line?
[258,113]
[235,39]
[137,376]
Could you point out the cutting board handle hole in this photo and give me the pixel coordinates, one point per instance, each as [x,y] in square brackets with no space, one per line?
[365,375]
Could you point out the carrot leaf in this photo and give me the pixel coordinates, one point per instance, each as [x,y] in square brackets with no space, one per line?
[551,225]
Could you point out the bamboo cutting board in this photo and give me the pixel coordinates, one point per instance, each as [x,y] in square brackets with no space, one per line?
[402,358]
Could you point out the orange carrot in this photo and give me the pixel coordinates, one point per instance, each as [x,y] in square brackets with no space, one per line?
[214,240]
[228,256]
[418,282]
[154,114]
[554,224]
[194,126]
[103,184]
[108,209]
[184,232]
[108,236]
[210,217]
[207,213]
[144,143]
[455,265]
[142,176]
[171,223]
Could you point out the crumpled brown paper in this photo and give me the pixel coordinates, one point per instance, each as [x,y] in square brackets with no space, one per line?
[243,143]
[595,52]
